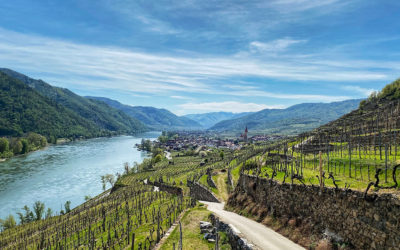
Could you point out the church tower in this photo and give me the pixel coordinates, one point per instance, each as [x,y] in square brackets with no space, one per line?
[245,135]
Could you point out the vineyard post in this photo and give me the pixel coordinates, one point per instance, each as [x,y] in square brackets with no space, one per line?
[180,236]
[216,241]
[349,157]
[133,241]
[386,162]
[321,184]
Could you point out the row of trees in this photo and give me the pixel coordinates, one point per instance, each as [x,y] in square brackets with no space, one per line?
[22,145]
[38,212]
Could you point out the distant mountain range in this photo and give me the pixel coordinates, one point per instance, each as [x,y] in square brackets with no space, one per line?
[290,121]
[154,118]
[207,120]
[30,105]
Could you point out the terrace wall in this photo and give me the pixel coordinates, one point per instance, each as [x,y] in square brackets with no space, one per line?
[200,192]
[363,223]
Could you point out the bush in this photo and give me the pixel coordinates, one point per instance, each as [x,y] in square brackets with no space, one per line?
[158,158]
[4,145]
[8,223]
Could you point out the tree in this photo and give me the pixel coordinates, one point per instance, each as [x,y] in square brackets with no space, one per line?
[221,154]
[67,206]
[163,138]
[8,223]
[88,197]
[4,145]
[49,213]
[126,168]
[25,146]
[108,178]
[27,216]
[158,158]
[16,146]
[156,151]
[38,208]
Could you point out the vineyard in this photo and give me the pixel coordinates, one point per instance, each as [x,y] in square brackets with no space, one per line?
[133,217]
[360,151]
[130,216]
[357,151]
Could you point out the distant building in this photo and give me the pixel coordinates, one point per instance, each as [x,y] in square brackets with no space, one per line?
[245,135]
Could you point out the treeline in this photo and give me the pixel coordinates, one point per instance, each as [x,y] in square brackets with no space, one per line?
[21,145]
[38,212]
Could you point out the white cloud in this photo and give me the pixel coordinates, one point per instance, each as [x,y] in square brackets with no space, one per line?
[274,46]
[127,70]
[180,97]
[303,97]
[301,5]
[229,106]
[363,91]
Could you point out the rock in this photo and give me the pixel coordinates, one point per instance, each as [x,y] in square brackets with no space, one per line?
[208,236]
[205,225]
[206,230]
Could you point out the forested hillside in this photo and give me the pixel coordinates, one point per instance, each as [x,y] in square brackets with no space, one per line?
[102,115]
[157,119]
[29,105]
[25,110]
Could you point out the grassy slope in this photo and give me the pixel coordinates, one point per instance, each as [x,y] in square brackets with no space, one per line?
[192,239]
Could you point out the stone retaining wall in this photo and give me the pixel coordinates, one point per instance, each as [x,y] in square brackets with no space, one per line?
[210,181]
[236,242]
[364,223]
[200,192]
[167,188]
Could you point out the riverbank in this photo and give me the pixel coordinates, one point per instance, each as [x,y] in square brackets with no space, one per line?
[65,172]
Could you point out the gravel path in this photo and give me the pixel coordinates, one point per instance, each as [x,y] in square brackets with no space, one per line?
[256,233]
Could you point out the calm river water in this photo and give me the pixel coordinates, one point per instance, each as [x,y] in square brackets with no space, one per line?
[65,172]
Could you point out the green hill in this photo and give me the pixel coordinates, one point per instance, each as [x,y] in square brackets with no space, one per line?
[95,115]
[290,121]
[157,119]
[25,110]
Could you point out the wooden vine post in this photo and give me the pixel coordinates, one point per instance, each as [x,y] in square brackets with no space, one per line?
[180,237]
[321,183]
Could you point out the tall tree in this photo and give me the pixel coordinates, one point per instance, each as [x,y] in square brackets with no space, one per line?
[38,208]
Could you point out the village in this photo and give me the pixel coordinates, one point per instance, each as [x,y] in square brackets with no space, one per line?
[184,140]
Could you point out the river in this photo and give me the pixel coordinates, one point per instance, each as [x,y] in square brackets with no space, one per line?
[65,172]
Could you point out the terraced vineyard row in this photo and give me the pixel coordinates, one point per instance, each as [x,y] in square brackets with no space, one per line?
[134,217]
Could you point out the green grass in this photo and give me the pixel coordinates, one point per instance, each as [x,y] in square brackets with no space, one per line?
[192,238]
[358,175]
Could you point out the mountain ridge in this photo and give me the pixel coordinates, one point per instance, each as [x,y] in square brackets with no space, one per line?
[154,118]
[207,120]
[95,115]
[290,121]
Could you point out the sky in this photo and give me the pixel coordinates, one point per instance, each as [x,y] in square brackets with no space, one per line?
[197,56]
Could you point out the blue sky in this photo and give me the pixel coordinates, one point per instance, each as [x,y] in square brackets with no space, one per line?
[196,56]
